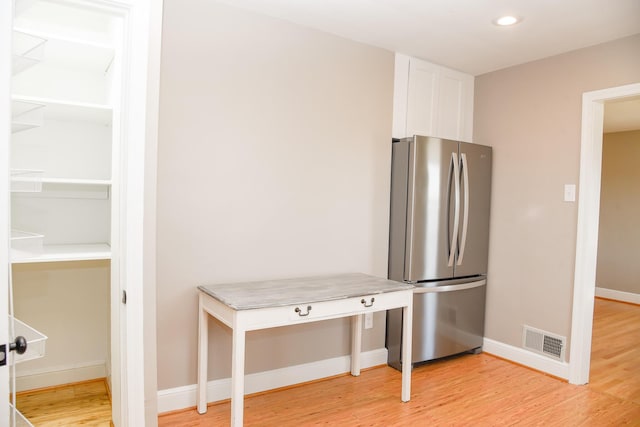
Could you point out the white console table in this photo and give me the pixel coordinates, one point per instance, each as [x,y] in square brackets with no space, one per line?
[259,305]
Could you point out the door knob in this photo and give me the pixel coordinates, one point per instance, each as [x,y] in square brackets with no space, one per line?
[19,345]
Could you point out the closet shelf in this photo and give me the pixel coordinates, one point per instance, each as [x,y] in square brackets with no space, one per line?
[61,253]
[59,109]
[79,182]
[65,52]
[69,188]
[18,126]
[28,50]
[25,244]
[35,341]
[26,180]
[65,18]
[26,115]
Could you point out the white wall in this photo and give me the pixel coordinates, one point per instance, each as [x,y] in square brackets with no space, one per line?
[76,296]
[531,115]
[619,234]
[273,162]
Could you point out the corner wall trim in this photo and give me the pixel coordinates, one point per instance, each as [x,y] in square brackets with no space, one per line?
[618,295]
[185,397]
[526,358]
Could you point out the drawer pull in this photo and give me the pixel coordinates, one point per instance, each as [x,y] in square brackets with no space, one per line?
[300,313]
[365,302]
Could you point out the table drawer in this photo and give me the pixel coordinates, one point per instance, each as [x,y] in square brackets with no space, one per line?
[313,311]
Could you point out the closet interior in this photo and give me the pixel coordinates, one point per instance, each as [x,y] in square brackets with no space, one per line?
[64,160]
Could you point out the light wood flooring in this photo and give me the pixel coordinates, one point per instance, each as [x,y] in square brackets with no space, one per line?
[82,404]
[615,352]
[472,390]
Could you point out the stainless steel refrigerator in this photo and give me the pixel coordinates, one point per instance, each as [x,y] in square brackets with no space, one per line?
[438,241]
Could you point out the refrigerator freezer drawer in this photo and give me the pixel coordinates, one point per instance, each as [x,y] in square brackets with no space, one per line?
[445,322]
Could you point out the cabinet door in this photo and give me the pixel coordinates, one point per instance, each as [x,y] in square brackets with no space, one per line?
[421,99]
[400,93]
[431,100]
[454,118]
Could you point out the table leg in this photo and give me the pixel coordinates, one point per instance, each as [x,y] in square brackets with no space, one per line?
[356,343]
[237,376]
[407,316]
[203,352]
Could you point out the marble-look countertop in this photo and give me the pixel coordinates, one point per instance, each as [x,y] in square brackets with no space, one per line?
[306,290]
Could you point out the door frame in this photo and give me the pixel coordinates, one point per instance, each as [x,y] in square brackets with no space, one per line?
[138,158]
[587,229]
[136,253]
[140,105]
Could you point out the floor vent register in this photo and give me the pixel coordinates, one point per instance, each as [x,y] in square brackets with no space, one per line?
[544,343]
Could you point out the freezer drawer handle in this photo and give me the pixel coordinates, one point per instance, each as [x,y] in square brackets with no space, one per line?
[450,288]
[300,313]
[364,302]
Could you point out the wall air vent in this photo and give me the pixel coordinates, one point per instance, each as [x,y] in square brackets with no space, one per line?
[544,343]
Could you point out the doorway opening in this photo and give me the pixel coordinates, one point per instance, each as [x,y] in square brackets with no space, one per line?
[614,352]
[588,221]
[617,270]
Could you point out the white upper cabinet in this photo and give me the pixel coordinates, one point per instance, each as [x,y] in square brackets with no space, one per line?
[431,100]
[422,106]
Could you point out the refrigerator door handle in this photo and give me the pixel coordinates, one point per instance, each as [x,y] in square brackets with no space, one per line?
[408,262]
[456,210]
[449,288]
[465,217]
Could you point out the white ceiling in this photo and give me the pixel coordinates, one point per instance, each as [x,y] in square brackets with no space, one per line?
[459,34]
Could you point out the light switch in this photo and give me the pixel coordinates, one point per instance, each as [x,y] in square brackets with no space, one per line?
[569,192]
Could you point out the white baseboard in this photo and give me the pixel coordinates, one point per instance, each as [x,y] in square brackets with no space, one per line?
[61,375]
[185,397]
[526,358]
[618,295]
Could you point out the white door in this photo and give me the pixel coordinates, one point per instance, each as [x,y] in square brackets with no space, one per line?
[130,20]
[5,88]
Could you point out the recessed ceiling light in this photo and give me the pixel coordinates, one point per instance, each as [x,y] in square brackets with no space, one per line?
[506,20]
